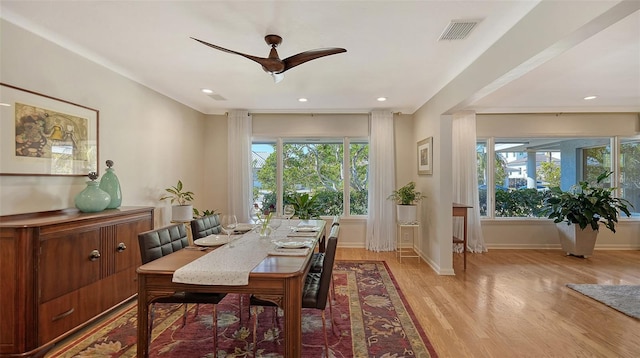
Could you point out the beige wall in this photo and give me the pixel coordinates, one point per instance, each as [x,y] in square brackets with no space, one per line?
[153,140]
[557,125]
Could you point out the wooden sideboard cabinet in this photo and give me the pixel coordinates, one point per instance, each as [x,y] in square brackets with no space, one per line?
[59,270]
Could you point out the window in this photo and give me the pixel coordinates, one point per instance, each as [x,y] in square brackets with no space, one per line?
[317,169]
[358,177]
[524,169]
[263,169]
[481,157]
[630,172]
[595,160]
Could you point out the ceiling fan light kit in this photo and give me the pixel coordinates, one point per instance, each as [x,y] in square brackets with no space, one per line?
[273,65]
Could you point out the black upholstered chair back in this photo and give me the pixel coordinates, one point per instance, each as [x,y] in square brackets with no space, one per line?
[205,226]
[327,269]
[160,242]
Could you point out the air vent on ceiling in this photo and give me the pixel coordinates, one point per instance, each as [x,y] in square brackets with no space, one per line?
[458,29]
[217,97]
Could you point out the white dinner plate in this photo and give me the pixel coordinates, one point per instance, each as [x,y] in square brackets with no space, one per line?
[302,234]
[292,243]
[212,240]
[244,227]
[307,229]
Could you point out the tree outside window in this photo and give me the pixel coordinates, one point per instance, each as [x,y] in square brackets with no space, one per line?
[314,169]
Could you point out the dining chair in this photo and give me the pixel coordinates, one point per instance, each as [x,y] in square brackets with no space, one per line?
[336,221]
[205,226]
[318,257]
[157,243]
[315,293]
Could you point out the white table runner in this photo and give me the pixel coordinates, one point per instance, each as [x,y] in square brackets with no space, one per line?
[226,265]
[229,265]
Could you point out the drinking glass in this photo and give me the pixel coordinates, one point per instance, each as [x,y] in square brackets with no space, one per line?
[275,222]
[288,212]
[229,224]
[254,211]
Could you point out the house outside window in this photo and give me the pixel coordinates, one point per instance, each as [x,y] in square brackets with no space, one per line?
[516,182]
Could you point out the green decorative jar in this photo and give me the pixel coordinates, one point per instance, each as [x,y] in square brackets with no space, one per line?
[110,183]
[92,199]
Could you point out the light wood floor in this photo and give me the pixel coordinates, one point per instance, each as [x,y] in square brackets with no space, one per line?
[514,303]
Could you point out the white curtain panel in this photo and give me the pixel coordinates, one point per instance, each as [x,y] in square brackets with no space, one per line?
[381,223]
[239,149]
[465,180]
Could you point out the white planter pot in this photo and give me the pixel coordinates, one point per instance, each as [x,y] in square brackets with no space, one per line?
[575,241]
[182,213]
[406,213]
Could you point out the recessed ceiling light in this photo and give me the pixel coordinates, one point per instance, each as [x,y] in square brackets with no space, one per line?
[590,97]
[382,99]
[302,99]
[207,91]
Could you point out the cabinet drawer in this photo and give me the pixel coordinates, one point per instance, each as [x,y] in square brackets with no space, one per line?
[69,311]
[59,315]
[66,263]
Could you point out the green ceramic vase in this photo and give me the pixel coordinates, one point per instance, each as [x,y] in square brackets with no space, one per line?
[110,183]
[92,199]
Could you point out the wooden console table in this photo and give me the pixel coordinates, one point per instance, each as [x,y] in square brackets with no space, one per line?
[61,270]
[461,211]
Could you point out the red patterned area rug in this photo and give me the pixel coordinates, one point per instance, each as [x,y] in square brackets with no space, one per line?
[371,317]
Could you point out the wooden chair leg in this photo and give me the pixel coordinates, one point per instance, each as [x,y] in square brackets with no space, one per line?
[255,328]
[215,331]
[326,340]
[184,315]
[150,326]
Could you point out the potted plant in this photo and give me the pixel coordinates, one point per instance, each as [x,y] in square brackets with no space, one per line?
[206,212]
[579,212]
[183,210]
[406,199]
[305,205]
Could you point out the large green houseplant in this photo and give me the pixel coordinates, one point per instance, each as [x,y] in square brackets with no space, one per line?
[406,199]
[581,210]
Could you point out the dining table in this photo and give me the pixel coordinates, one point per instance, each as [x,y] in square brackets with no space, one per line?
[259,266]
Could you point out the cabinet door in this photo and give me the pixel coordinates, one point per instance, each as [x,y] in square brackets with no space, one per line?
[127,235]
[68,262]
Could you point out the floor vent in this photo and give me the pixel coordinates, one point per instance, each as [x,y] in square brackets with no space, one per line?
[458,29]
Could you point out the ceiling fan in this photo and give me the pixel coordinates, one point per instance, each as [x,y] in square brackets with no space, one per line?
[273,65]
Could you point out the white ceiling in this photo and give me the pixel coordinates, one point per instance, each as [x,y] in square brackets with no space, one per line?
[392,51]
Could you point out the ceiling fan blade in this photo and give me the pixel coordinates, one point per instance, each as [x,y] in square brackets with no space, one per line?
[261,60]
[303,57]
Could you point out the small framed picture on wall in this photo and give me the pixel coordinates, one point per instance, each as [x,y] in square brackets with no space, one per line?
[425,156]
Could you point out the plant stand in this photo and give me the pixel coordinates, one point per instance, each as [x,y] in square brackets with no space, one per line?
[404,251]
[575,241]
